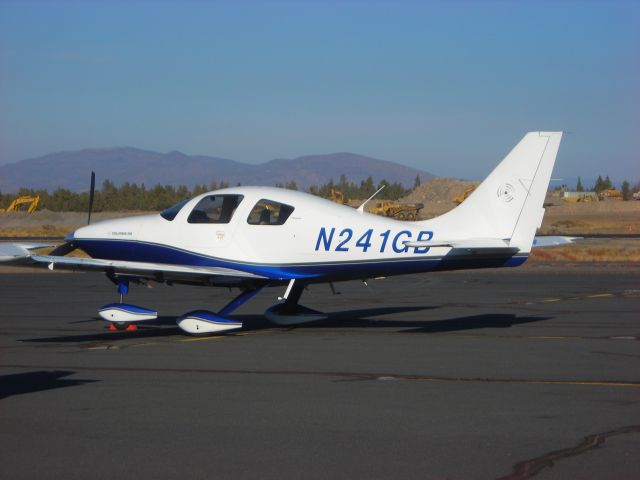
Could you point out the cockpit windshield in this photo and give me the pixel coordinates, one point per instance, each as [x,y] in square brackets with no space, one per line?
[171,212]
[215,209]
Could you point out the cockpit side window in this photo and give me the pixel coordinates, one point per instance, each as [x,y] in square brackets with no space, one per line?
[215,209]
[268,212]
[171,212]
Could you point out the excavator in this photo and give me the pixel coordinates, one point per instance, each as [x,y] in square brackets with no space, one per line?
[337,196]
[464,195]
[31,201]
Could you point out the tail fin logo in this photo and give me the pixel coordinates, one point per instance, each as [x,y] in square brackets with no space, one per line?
[506,192]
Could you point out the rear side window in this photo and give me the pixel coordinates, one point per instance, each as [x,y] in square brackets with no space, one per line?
[215,209]
[268,212]
[171,212]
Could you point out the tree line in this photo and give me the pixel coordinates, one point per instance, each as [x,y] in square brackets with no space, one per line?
[363,190]
[130,196]
[603,184]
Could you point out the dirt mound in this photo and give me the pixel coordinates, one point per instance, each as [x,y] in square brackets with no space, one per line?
[436,194]
[439,190]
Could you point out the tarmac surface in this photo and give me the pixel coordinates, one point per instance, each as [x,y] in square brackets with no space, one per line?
[517,373]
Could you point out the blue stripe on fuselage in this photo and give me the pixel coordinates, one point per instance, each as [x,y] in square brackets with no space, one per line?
[136,251]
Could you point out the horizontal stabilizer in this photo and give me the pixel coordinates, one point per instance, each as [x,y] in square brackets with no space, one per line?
[552,241]
[470,243]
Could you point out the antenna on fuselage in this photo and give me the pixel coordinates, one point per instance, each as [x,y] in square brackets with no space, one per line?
[361,207]
[92,190]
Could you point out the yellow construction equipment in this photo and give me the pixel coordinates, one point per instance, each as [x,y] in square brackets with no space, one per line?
[337,196]
[401,211]
[32,201]
[611,193]
[579,197]
[464,195]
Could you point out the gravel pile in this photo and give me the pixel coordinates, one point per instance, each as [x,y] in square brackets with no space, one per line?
[436,194]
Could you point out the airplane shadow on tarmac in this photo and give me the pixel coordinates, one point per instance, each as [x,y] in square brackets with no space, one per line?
[360,318]
[157,329]
[37,381]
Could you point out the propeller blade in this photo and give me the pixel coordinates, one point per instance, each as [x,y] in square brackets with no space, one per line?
[92,190]
[62,250]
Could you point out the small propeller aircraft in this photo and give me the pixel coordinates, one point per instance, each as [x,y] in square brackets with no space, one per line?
[254,237]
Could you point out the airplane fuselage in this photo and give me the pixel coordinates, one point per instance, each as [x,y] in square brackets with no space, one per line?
[318,241]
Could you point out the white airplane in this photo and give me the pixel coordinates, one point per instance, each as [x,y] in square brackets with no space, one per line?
[254,237]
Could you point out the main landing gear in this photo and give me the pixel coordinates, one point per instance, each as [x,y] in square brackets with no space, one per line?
[290,312]
[203,322]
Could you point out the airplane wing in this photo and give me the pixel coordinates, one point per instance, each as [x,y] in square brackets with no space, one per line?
[20,254]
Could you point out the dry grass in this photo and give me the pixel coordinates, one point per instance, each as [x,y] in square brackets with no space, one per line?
[598,217]
[566,225]
[45,231]
[587,253]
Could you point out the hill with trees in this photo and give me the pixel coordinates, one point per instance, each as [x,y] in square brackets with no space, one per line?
[71,170]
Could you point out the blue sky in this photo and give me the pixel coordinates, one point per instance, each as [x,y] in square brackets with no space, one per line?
[445,86]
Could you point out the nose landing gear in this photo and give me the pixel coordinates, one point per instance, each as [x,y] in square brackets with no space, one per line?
[123,316]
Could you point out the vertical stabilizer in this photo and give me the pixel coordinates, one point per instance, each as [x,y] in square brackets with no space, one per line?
[508,203]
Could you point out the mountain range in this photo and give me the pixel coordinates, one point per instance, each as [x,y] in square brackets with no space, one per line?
[71,170]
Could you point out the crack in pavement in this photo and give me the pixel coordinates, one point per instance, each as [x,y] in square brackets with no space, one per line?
[530,468]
